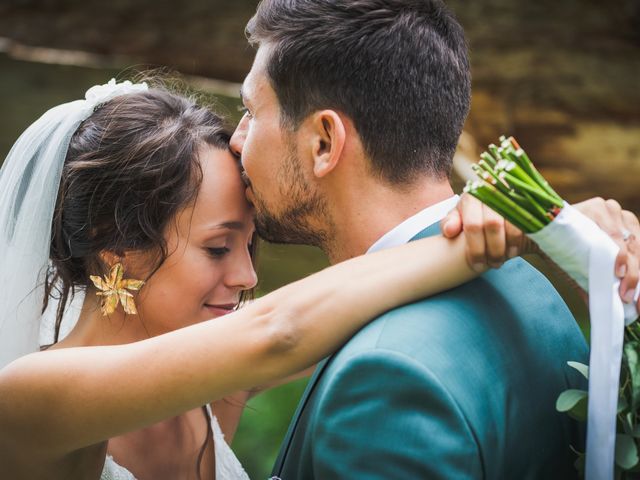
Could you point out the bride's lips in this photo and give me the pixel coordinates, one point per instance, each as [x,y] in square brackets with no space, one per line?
[219,310]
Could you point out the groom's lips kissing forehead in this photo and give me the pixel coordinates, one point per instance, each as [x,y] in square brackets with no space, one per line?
[248,191]
[245,178]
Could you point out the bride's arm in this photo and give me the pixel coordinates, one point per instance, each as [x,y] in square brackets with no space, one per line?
[59,401]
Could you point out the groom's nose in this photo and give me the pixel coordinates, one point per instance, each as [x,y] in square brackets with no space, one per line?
[237,140]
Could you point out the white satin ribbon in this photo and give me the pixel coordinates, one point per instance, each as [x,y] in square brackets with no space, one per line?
[584,251]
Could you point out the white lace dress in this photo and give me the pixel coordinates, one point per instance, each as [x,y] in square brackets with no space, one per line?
[228,466]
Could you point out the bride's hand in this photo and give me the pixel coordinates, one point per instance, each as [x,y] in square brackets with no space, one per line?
[623,228]
[491,240]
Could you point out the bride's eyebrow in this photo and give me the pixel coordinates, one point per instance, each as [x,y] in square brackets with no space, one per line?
[233,225]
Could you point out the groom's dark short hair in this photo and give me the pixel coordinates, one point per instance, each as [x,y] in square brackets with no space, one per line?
[398,68]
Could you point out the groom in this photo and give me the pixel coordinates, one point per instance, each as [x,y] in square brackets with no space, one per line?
[354,109]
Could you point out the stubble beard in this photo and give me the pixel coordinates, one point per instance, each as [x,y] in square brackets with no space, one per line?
[302,219]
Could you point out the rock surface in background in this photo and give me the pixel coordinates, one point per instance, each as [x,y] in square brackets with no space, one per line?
[563,77]
[204,37]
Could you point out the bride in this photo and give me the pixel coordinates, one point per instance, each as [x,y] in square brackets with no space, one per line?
[133,197]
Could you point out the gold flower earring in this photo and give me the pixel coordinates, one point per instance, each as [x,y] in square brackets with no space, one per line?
[113,288]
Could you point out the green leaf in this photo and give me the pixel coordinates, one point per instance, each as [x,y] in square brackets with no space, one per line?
[581,367]
[626,452]
[636,431]
[633,363]
[569,398]
[626,421]
[574,402]
[622,404]
[579,464]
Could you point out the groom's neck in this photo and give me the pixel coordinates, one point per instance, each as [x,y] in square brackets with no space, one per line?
[363,213]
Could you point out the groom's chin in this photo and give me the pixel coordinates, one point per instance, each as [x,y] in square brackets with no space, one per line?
[271,230]
[284,232]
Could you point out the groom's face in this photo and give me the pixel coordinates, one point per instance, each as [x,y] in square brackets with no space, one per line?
[279,183]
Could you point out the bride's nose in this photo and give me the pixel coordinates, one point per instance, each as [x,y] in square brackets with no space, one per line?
[242,274]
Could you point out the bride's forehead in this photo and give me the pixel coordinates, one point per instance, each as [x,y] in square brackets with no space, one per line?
[221,192]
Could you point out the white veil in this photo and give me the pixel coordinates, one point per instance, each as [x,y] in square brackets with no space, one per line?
[29,183]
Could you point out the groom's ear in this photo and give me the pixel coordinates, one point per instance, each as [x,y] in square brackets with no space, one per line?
[327,141]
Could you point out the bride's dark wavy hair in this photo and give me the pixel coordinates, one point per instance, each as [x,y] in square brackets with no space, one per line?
[130,168]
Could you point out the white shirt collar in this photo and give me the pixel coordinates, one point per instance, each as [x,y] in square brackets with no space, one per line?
[413,225]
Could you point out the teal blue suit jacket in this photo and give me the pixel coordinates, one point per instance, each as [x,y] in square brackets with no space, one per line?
[457,386]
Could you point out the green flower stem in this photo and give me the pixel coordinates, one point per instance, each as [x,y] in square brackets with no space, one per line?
[489,159]
[508,209]
[533,223]
[512,168]
[542,195]
[528,167]
[486,173]
[535,174]
[517,154]
[483,167]
[512,186]
[495,151]
[542,214]
[490,201]
[489,176]
[487,167]
[525,202]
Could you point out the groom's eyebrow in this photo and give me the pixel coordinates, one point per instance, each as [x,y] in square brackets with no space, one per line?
[243,95]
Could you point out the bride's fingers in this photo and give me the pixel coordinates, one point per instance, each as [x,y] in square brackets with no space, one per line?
[451,225]
[631,222]
[608,215]
[495,237]
[622,227]
[472,224]
[516,240]
[602,212]
[622,264]
[630,280]
[632,242]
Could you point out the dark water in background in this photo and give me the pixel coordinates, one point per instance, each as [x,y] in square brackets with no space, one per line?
[28,89]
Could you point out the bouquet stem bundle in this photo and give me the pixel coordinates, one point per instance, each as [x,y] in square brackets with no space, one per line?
[509,183]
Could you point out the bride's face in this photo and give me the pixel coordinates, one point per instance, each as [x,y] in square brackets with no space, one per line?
[209,262]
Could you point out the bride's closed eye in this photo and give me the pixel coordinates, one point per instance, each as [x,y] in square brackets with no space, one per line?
[217,252]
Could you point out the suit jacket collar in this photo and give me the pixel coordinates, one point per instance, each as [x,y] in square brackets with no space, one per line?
[286,444]
[408,229]
[430,231]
